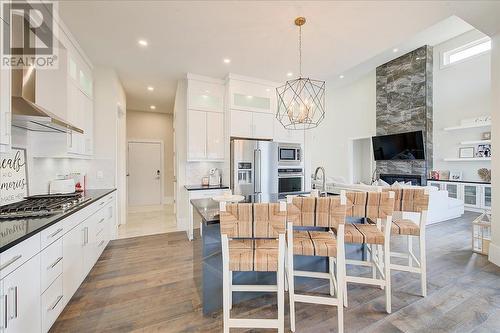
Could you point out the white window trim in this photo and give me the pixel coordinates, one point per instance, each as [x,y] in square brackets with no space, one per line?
[446,54]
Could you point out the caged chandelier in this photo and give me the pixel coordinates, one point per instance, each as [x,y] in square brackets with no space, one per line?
[301,102]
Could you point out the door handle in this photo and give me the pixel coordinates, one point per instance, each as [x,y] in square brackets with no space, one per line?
[257,172]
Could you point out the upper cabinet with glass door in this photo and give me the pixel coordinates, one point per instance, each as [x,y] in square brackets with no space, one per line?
[252,94]
[205,94]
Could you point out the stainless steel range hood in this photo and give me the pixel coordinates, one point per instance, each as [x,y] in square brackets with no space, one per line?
[26,113]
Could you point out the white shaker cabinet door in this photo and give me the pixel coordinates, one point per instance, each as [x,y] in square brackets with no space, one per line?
[73,273]
[215,136]
[197,135]
[241,124]
[263,125]
[22,289]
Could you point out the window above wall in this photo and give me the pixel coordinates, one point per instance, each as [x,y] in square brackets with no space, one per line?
[465,52]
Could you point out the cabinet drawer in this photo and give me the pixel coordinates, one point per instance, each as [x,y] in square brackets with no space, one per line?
[52,263]
[52,303]
[51,234]
[19,254]
[204,194]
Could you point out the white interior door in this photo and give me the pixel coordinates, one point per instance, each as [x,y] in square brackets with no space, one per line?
[144,173]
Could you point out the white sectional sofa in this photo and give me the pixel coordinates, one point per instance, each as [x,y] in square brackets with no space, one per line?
[441,207]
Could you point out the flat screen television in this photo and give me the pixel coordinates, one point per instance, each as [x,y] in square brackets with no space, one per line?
[402,146]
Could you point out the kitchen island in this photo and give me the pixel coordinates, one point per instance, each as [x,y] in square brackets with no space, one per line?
[208,252]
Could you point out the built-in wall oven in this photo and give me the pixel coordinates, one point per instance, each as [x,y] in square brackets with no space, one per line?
[289,154]
[290,180]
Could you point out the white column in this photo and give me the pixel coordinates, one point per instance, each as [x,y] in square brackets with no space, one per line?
[494,255]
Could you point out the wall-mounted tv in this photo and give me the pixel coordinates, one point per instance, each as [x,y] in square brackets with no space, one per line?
[402,146]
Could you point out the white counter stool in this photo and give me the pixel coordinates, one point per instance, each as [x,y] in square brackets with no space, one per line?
[378,207]
[416,201]
[253,239]
[317,212]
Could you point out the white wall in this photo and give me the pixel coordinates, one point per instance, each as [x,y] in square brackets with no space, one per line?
[109,136]
[460,91]
[495,112]
[350,113]
[155,126]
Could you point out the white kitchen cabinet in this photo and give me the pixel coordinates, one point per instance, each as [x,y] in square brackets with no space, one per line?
[486,197]
[251,94]
[197,135]
[51,86]
[5,109]
[205,135]
[52,303]
[454,190]
[472,195]
[252,125]
[241,124]
[205,95]
[215,135]
[73,273]
[476,196]
[21,295]
[263,125]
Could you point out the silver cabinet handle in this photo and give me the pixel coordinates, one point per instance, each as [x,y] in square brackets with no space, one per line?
[14,300]
[102,220]
[55,233]
[86,235]
[6,305]
[11,261]
[55,303]
[55,263]
[102,203]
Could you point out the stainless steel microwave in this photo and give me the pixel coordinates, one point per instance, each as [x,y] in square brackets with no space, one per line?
[289,154]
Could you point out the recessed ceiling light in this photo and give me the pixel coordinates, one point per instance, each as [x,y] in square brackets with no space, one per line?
[395,50]
[151,88]
[341,76]
[152,107]
[227,60]
[289,74]
[142,42]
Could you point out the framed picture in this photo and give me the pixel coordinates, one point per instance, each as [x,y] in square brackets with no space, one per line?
[466,152]
[444,174]
[13,176]
[483,150]
[486,136]
[455,175]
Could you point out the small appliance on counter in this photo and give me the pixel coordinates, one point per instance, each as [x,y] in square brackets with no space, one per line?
[205,181]
[215,177]
[62,186]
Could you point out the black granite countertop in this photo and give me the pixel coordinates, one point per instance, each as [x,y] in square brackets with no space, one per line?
[209,208]
[205,187]
[14,231]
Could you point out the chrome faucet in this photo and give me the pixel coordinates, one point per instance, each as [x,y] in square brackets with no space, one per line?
[323,178]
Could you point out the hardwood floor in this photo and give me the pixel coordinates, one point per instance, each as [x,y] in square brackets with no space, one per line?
[146,284]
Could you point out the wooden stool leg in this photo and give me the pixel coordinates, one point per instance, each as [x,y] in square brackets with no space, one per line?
[387,270]
[410,251]
[332,276]
[281,284]
[230,289]
[291,288]
[423,264]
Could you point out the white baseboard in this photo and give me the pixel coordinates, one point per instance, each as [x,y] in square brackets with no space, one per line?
[494,254]
[168,200]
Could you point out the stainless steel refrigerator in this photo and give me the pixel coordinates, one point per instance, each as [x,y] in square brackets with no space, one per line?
[254,166]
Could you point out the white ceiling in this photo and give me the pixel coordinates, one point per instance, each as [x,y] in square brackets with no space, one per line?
[258,36]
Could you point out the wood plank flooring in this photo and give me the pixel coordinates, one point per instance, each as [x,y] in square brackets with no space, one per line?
[147,284]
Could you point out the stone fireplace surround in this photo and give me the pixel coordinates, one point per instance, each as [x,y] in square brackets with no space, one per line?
[402,178]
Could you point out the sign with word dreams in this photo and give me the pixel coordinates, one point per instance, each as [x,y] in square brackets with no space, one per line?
[13,176]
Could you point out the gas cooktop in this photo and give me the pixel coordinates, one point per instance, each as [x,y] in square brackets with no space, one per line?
[42,205]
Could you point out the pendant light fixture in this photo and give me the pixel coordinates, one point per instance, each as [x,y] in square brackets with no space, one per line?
[301,102]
